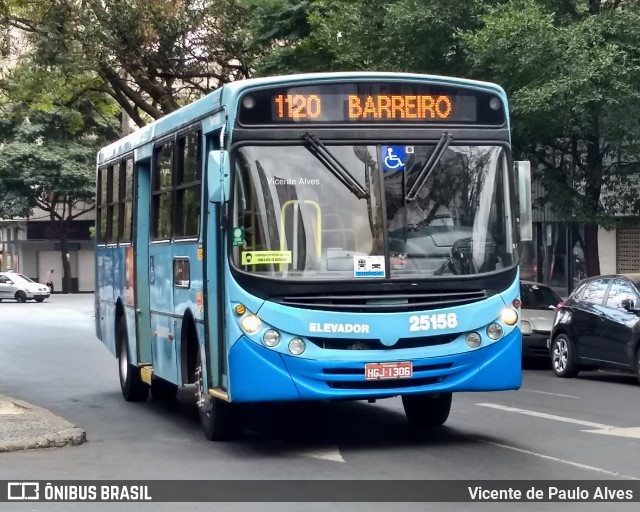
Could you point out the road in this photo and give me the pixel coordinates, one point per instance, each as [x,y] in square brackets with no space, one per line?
[583,429]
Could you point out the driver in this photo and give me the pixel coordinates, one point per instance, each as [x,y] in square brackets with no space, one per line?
[411,215]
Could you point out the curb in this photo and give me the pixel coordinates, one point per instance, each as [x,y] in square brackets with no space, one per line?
[24,426]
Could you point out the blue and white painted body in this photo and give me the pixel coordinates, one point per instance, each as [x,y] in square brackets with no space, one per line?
[155,313]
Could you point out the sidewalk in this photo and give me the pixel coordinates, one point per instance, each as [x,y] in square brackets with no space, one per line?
[25,427]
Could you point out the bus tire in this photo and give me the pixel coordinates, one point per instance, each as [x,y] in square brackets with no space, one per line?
[562,357]
[133,388]
[218,418]
[427,411]
[163,390]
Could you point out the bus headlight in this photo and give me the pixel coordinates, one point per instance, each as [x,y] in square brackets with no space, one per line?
[297,346]
[509,316]
[494,331]
[473,340]
[251,324]
[271,338]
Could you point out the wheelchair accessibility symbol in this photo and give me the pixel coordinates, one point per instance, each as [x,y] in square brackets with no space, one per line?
[393,158]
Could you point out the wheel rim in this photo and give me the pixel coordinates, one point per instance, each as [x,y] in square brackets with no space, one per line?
[204,404]
[560,355]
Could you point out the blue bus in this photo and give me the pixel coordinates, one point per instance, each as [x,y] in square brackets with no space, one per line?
[315,237]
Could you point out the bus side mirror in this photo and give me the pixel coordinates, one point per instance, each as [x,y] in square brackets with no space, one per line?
[218,181]
[523,173]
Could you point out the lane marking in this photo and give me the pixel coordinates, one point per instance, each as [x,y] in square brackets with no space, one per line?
[562,461]
[554,417]
[549,393]
[328,452]
[633,432]
[331,453]
[595,428]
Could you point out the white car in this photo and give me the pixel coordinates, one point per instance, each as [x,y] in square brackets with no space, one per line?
[539,304]
[19,287]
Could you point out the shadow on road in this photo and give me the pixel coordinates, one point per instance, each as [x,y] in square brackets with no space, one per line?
[292,427]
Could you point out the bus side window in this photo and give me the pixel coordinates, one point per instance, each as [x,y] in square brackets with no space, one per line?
[188,186]
[181,273]
[162,184]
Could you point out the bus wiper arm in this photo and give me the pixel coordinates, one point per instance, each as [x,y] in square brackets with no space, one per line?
[320,151]
[429,166]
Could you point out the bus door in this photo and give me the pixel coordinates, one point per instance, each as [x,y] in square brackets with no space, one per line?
[164,321]
[217,186]
[140,256]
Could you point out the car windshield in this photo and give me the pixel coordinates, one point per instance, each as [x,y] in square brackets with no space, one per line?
[538,297]
[26,278]
[319,211]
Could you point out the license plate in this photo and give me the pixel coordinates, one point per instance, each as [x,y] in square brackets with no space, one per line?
[376,371]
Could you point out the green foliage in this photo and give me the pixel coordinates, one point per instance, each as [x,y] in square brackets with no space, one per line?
[400,35]
[151,56]
[572,71]
[46,161]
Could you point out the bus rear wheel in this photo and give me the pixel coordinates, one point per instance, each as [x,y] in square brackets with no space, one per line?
[218,418]
[426,411]
[133,388]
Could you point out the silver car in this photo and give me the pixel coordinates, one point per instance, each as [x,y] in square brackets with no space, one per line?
[539,304]
[19,287]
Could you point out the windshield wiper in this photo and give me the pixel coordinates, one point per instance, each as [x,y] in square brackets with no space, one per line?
[320,151]
[428,167]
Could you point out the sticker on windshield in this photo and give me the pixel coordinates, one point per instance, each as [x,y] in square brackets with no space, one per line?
[393,158]
[368,266]
[398,260]
[265,257]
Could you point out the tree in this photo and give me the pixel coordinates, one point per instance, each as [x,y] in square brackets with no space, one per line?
[47,156]
[572,71]
[382,35]
[151,56]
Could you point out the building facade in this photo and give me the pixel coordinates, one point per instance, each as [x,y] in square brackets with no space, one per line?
[557,254]
[31,246]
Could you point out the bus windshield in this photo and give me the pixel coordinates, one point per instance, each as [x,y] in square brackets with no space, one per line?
[399,211]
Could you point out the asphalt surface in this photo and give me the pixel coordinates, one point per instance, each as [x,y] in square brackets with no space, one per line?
[552,429]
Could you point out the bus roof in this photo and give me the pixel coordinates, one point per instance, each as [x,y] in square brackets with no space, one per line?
[212,102]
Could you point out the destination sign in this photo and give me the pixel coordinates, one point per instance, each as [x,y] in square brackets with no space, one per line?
[359,103]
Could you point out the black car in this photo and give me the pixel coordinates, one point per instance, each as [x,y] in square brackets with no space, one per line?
[598,326]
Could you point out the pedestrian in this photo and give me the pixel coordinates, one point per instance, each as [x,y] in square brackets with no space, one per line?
[50,280]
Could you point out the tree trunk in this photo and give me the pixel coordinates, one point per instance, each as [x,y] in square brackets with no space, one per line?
[66,266]
[592,192]
[592,254]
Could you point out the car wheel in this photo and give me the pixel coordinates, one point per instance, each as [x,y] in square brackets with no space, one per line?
[133,388]
[39,299]
[219,419]
[638,364]
[426,411]
[21,296]
[562,358]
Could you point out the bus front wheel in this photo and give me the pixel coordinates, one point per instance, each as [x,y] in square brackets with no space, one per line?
[133,388]
[218,418]
[424,411]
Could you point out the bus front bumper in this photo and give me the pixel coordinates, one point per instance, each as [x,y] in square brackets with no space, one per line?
[259,374]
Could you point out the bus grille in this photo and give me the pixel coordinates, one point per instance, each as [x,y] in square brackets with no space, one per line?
[383,303]
[373,344]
